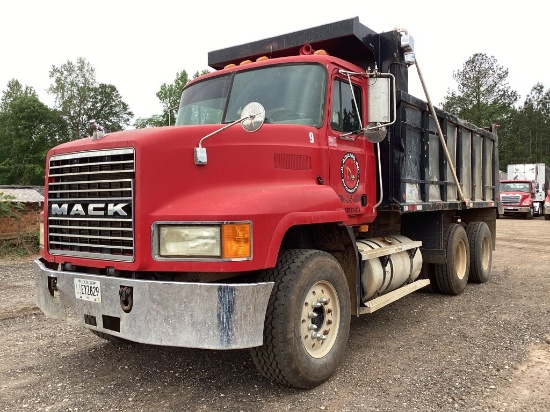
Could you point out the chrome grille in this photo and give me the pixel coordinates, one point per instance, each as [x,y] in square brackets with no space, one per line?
[91,204]
[510,199]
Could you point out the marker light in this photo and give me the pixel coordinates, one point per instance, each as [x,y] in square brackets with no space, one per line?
[236,241]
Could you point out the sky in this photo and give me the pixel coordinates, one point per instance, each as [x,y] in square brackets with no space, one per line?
[137,46]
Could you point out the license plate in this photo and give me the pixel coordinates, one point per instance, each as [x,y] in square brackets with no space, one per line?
[86,289]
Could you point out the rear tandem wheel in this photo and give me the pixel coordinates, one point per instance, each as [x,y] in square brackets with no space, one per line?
[451,277]
[481,251]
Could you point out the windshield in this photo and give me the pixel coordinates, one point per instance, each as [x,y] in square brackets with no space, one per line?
[204,102]
[515,187]
[291,94]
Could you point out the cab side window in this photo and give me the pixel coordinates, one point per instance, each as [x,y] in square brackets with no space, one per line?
[344,116]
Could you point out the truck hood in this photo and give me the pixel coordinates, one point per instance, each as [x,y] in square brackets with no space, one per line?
[239,164]
[129,138]
[269,177]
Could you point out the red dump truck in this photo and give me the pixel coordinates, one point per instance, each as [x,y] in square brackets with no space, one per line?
[524,190]
[301,185]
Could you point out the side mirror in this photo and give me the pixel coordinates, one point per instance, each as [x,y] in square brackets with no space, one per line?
[375,135]
[253,116]
[379,108]
[379,100]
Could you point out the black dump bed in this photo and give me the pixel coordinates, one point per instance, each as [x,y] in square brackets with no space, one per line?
[415,171]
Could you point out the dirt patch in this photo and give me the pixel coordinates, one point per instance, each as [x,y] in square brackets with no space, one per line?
[485,350]
[17,311]
[529,385]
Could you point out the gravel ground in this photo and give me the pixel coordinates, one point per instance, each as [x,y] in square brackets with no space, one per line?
[485,350]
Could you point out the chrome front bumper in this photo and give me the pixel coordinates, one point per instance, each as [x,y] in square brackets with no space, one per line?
[194,315]
[516,209]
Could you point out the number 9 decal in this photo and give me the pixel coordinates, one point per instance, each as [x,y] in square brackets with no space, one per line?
[311,137]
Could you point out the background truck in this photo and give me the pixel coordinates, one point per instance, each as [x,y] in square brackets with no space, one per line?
[524,190]
[301,185]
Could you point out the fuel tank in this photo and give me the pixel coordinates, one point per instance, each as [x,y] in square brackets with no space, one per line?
[384,274]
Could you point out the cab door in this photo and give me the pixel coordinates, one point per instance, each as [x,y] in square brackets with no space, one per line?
[351,160]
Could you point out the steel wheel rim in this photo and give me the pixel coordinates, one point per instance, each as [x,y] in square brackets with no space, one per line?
[485,253]
[320,319]
[460,259]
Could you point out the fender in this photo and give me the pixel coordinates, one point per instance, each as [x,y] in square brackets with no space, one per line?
[273,209]
[297,219]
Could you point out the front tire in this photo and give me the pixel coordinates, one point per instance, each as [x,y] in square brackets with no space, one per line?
[307,320]
[481,251]
[451,277]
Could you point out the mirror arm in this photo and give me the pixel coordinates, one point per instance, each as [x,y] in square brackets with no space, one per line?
[227,126]
[346,136]
[200,152]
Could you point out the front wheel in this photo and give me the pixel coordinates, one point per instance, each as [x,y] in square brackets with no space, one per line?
[307,320]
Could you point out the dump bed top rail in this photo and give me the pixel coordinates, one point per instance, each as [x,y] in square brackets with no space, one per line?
[346,39]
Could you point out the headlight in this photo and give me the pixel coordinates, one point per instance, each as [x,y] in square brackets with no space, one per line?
[189,241]
[526,202]
[225,241]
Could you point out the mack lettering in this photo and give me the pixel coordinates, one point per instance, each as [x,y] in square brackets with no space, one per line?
[92,209]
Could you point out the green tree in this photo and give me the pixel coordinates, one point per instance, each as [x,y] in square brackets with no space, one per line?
[199,74]
[483,96]
[528,134]
[14,90]
[79,98]
[28,129]
[157,120]
[169,96]
[8,208]
[71,87]
[108,108]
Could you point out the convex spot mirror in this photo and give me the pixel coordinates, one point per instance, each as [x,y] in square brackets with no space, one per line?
[254,116]
[375,135]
